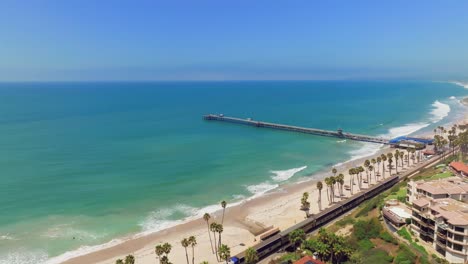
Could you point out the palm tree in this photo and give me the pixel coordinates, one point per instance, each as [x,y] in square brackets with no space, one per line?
[384,158]
[379,160]
[333,182]
[401,158]
[219,229]
[119,261]
[224,253]
[373,161]
[296,237]
[223,204]
[305,205]
[167,248]
[360,170]
[340,179]
[130,259]
[334,171]
[351,179]
[193,242]
[390,161]
[213,227]
[328,183]
[162,251]
[366,165]
[397,156]
[159,252]
[389,157]
[319,187]
[207,217]
[251,256]
[371,168]
[185,243]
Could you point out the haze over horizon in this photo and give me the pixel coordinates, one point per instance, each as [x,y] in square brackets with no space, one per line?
[242,40]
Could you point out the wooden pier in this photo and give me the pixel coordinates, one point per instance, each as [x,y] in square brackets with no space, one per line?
[319,132]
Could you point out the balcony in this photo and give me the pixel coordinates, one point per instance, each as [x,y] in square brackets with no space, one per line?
[462,243]
[440,244]
[444,236]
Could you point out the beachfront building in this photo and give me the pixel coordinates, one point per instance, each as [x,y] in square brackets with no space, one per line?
[459,168]
[452,187]
[444,224]
[396,213]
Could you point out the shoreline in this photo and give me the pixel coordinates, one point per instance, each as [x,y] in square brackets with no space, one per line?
[244,221]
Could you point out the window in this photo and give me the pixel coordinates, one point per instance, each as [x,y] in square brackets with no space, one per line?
[460,229]
[457,247]
[458,237]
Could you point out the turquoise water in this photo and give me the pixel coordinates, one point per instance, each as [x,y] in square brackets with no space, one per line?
[84,163]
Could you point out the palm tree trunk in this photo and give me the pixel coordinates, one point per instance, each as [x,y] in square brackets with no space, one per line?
[215,245]
[209,234]
[186,255]
[383,170]
[193,255]
[328,196]
[219,245]
[222,220]
[320,200]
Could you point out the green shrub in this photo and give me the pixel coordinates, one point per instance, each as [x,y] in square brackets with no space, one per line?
[377,256]
[388,238]
[348,220]
[367,229]
[365,245]
[404,234]
[419,248]
[370,205]
[404,256]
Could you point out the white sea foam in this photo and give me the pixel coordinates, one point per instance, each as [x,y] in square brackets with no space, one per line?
[24,257]
[341,141]
[286,174]
[452,98]
[462,84]
[67,230]
[6,237]
[158,220]
[440,111]
[262,188]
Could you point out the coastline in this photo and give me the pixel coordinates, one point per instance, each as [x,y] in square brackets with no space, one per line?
[243,221]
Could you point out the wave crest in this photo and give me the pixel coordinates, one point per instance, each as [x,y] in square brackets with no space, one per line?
[440,111]
[286,174]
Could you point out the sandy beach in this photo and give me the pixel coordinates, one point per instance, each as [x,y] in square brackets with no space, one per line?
[243,223]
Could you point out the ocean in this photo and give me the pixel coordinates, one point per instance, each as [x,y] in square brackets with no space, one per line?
[85,165]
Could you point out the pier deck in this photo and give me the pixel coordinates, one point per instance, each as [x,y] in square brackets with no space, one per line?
[313,131]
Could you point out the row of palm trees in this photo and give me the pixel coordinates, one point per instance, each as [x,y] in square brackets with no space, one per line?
[372,169]
[456,136]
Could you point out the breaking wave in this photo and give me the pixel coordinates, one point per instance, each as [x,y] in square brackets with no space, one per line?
[440,111]
[286,174]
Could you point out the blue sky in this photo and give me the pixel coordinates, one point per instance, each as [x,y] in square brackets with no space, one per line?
[242,39]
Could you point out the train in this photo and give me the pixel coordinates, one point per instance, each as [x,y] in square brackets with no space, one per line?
[280,241]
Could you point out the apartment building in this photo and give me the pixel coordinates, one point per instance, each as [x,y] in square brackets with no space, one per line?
[452,187]
[444,224]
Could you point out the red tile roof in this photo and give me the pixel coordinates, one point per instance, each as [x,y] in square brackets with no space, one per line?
[459,166]
[308,260]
